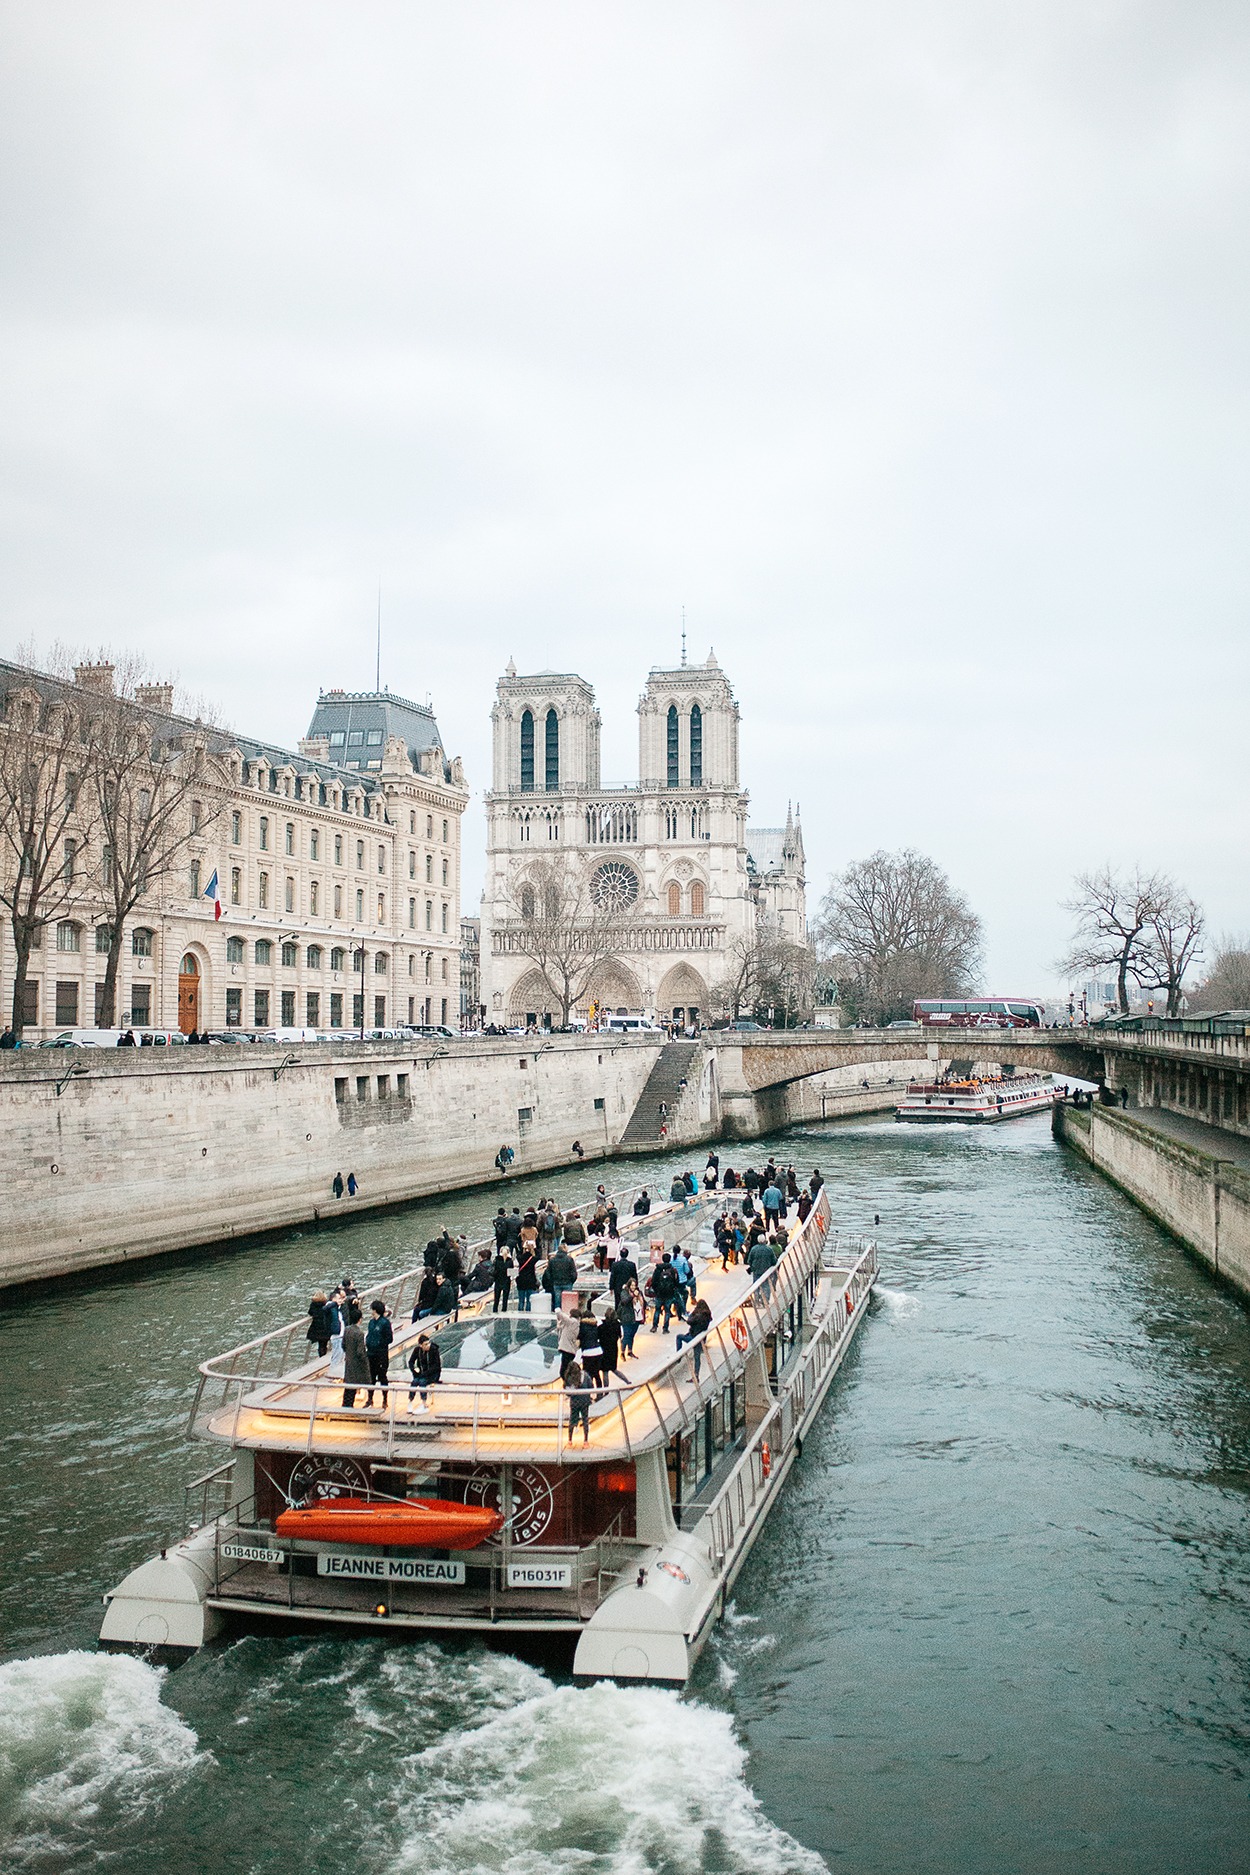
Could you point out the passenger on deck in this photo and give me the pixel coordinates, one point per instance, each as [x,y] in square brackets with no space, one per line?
[685,1280]
[568,1337]
[815,1182]
[590,1348]
[355,1360]
[731,1179]
[579,1400]
[481,1276]
[559,1275]
[642,1203]
[665,1291]
[378,1338]
[774,1202]
[610,1342]
[425,1364]
[526,1280]
[427,1295]
[760,1259]
[677,1192]
[501,1279]
[574,1231]
[623,1272]
[319,1330]
[697,1325]
[630,1310]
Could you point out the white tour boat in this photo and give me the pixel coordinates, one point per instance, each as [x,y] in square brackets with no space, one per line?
[980,1099]
[482,1515]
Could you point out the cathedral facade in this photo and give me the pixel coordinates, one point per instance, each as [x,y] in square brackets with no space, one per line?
[666,874]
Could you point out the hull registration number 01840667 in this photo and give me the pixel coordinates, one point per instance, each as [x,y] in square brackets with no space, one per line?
[526,1575]
[251,1552]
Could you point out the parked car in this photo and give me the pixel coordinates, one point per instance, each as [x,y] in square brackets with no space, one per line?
[82,1038]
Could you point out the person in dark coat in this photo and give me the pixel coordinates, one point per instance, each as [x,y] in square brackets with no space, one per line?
[355,1358]
[501,1273]
[378,1338]
[698,1322]
[427,1294]
[352,1186]
[559,1275]
[337,1186]
[579,1400]
[610,1342]
[319,1327]
[665,1290]
[425,1364]
[501,1228]
[481,1276]
[623,1272]
[590,1349]
[514,1229]
[526,1280]
[574,1231]
[642,1203]
[449,1264]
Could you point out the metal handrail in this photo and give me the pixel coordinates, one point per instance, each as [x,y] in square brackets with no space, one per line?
[658,1406]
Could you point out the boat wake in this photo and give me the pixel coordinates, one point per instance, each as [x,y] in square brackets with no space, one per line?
[88,1751]
[447,1761]
[898,1302]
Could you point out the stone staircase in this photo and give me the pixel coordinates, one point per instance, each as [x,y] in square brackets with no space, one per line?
[678,1061]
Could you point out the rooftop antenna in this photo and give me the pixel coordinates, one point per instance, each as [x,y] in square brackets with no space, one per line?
[377,683]
[683,638]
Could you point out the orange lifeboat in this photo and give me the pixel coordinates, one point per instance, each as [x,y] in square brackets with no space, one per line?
[416,1523]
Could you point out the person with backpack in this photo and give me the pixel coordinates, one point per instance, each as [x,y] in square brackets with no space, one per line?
[664,1291]
[684,1271]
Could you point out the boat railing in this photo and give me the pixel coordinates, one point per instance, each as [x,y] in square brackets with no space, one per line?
[503,1419]
[271,1356]
[207,1499]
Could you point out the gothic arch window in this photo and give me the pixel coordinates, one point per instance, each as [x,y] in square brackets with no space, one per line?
[696,746]
[551,752]
[527,751]
[696,900]
[674,900]
[674,745]
[527,901]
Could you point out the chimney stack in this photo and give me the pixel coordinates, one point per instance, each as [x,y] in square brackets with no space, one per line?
[158,697]
[96,677]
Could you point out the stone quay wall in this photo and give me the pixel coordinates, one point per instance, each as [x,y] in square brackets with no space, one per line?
[149,1151]
[1201,1199]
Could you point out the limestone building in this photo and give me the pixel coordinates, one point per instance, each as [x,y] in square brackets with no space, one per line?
[345,849]
[670,862]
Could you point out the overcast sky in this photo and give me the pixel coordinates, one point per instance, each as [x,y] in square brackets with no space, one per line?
[904,345]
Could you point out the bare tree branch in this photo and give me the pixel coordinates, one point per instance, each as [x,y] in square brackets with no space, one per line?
[565,931]
[900,930]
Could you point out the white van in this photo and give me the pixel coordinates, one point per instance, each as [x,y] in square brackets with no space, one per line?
[631,1025]
[83,1038]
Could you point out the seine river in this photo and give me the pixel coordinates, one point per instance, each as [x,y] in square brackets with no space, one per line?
[998,1625]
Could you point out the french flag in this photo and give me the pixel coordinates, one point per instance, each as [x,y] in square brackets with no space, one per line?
[213,890]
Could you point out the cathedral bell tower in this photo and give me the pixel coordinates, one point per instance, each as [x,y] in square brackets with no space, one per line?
[688,728]
[546,734]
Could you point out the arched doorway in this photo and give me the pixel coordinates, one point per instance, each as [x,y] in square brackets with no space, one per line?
[682,998]
[188,994]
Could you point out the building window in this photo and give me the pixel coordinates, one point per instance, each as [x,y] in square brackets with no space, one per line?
[236,828]
[234,1008]
[67,1005]
[381,859]
[106,861]
[312,957]
[338,957]
[195,878]
[444,920]
[429,826]
[696,900]
[262,895]
[429,961]
[444,970]
[290,838]
[674,901]
[429,869]
[314,845]
[381,909]
[429,914]
[551,756]
[236,885]
[140,942]
[312,1009]
[289,954]
[314,898]
[103,940]
[443,1014]
[140,1005]
[68,938]
[674,745]
[264,833]
[360,856]
[527,751]
[68,854]
[527,902]
[358,1022]
[379,964]
[412,823]
[260,1009]
[290,895]
[360,908]
[336,1009]
[234,950]
[338,849]
[288,1009]
[444,833]
[338,901]
[412,864]
[264,951]
[696,745]
[379,1012]
[412,914]
[444,872]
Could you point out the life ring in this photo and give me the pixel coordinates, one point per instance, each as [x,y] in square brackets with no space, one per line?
[766,1459]
[738,1332]
[850,1306]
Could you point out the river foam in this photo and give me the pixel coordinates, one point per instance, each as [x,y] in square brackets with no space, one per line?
[87,1747]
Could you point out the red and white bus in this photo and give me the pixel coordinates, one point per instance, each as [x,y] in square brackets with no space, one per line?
[980,1012]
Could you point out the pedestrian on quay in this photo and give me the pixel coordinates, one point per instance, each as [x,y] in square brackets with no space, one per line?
[337,1186]
[579,1400]
[355,1356]
[425,1364]
[698,1322]
[352,1186]
[319,1330]
[378,1338]
[8,1039]
[501,1272]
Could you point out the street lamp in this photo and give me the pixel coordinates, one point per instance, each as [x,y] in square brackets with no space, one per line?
[361,956]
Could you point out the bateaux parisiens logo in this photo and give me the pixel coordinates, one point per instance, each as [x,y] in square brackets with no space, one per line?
[527,1516]
[318,1478]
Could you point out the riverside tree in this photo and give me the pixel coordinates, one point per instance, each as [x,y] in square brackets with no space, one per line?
[767,976]
[567,921]
[1141,925]
[1227,983]
[892,927]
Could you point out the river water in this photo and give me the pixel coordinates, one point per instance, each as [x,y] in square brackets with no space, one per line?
[999,1623]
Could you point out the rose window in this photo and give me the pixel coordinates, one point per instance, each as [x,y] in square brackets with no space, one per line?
[614,886]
